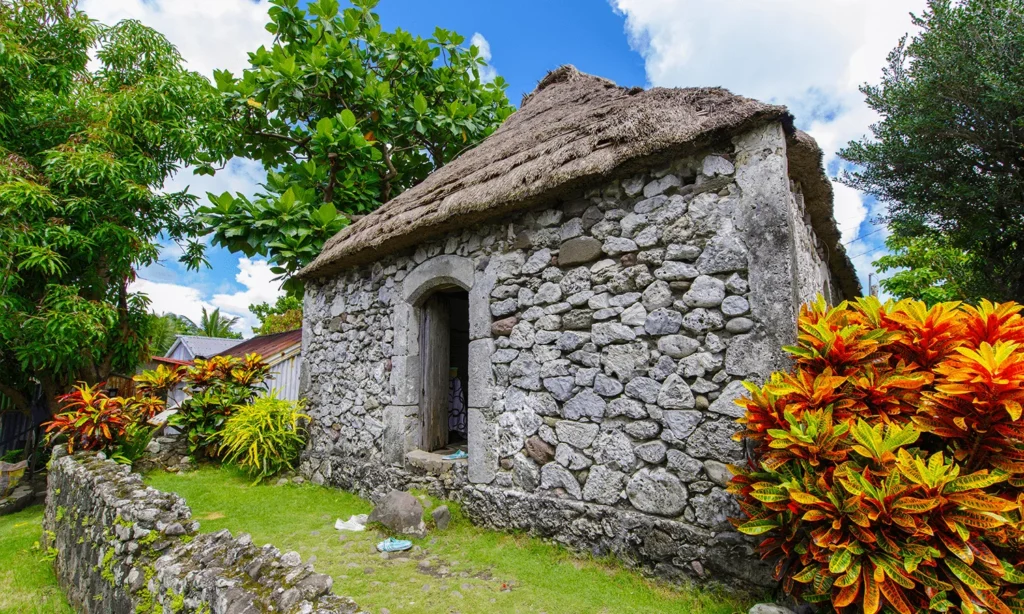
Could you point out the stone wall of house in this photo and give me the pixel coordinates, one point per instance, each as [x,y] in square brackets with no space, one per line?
[610,335]
[122,547]
[811,257]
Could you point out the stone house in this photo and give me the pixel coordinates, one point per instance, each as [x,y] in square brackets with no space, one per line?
[602,273]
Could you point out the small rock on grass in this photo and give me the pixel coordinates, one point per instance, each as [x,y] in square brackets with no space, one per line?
[769,608]
[442,517]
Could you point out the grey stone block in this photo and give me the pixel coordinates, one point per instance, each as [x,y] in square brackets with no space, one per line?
[580,250]
[483,447]
[657,492]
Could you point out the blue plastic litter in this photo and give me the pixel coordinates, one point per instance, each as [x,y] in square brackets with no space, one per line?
[394,545]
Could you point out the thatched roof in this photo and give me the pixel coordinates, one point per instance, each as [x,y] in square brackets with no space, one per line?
[573,131]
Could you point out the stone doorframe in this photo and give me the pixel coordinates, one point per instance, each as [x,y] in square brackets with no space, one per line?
[402,419]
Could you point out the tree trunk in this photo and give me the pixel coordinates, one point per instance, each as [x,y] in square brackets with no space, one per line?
[51,390]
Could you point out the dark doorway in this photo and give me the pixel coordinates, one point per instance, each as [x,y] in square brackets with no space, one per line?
[444,349]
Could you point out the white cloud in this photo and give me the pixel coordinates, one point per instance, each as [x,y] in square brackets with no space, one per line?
[259,285]
[188,301]
[173,298]
[850,210]
[208,34]
[808,54]
[487,73]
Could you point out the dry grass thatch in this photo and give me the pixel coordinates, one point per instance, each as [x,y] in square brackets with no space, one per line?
[573,131]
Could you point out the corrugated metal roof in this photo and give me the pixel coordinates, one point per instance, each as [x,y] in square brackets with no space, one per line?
[204,347]
[270,347]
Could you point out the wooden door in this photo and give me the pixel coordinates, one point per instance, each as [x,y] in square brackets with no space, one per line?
[434,342]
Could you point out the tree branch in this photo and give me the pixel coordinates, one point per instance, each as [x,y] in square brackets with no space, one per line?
[283,137]
[332,159]
[101,370]
[392,173]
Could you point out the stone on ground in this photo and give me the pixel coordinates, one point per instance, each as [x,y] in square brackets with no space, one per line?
[442,517]
[769,608]
[400,512]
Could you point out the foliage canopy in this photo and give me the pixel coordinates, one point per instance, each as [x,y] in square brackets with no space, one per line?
[285,315]
[214,324]
[83,155]
[926,267]
[164,329]
[344,116]
[947,156]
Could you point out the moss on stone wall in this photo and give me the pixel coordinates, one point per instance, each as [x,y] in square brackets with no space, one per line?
[144,554]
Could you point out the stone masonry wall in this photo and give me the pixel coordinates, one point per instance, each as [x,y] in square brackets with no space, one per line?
[122,547]
[611,333]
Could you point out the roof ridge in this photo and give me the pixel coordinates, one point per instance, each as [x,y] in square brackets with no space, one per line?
[566,73]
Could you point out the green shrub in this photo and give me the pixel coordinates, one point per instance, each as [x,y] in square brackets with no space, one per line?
[137,436]
[265,436]
[216,387]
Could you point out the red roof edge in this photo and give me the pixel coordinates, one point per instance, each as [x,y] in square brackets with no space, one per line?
[172,361]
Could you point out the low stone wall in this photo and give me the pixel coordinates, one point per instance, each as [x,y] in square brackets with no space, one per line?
[122,547]
[167,452]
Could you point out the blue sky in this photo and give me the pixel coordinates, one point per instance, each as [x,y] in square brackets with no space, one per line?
[808,54]
[530,38]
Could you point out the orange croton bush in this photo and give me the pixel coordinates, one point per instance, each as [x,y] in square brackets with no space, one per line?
[889,471]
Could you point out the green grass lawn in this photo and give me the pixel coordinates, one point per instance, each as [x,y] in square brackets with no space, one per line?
[27,582]
[463,569]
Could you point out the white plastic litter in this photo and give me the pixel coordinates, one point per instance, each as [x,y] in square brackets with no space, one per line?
[354,523]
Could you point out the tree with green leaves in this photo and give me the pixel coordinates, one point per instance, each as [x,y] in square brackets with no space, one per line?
[214,324]
[164,329]
[344,116]
[283,316]
[925,268]
[947,157]
[84,153]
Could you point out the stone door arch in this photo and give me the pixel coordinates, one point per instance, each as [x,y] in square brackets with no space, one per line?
[403,416]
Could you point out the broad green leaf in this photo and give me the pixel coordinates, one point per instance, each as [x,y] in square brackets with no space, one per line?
[327,213]
[348,119]
[325,127]
[840,561]
[967,575]
[288,198]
